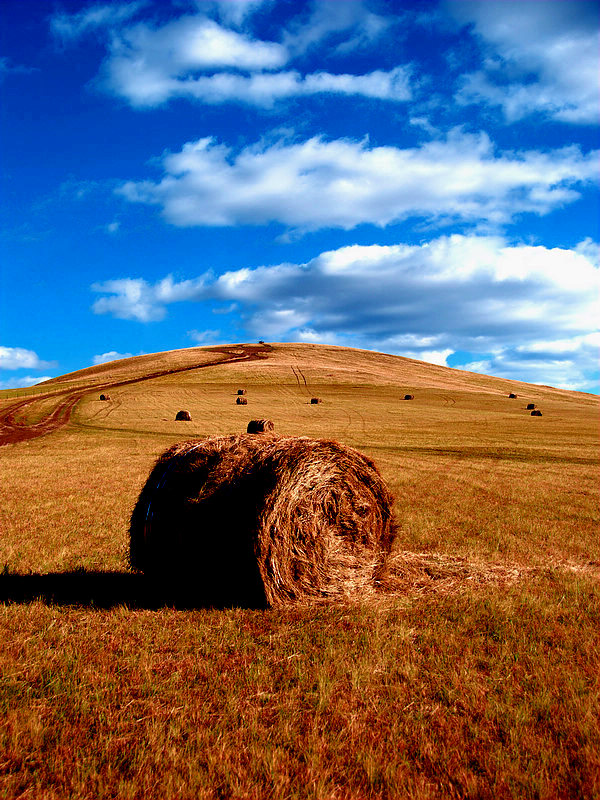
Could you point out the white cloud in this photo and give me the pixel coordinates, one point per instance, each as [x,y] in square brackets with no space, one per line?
[24,381]
[235,12]
[134,298]
[342,183]
[527,305]
[564,363]
[349,21]
[549,51]
[205,337]
[20,358]
[70,27]
[261,89]
[112,355]
[147,66]
[198,58]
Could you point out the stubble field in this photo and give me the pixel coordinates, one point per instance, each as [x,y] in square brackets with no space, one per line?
[473,675]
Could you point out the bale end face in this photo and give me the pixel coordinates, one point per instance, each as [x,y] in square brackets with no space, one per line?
[183,416]
[262,520]
[241,401]
[260,426]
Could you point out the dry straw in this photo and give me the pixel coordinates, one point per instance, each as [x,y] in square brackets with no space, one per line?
[183,416]
[260,426]
[262,520]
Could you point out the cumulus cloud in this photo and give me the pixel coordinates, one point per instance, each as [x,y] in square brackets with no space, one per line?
[23,382]
[134,298]
[565,363]
[199,58]
[524,304]
[542,57]
[148,67]
[21,358]
[112,355]
[343,183]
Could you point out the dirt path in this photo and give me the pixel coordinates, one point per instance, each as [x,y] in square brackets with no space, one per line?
[12,430]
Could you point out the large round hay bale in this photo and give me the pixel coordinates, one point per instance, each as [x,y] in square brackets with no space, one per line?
[530,406]
[315,400]
[260,426]
[104,397]
[241,391]
[536,413]
[184,416]
[241,401]
[262,520]
[512,396]
[409,397]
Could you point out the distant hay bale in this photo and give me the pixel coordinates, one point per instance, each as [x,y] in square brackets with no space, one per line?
[183,416]
[241,401]
[409,397]
[315,400]
[104,397]
[262,520]
[536,413]
[241,391]
[260,426]
[512,396]
[530,406]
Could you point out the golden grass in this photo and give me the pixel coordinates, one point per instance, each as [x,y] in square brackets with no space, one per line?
[472,675]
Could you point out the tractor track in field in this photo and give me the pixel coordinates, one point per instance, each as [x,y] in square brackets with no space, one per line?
[14,430]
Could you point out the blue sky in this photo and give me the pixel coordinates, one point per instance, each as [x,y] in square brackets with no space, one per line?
[418,178]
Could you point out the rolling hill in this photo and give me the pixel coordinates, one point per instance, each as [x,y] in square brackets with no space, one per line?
[472,675]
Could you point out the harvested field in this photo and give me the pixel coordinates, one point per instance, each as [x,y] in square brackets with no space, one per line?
[468,670]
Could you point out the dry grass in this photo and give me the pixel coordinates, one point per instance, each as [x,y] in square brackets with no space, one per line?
[474,675]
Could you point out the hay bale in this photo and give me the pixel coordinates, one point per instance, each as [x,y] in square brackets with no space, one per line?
[536,413]
[409,397]
[184,416]
[315,400]
[262,520]
[512,396]
[241,401]
[104,397]
[241,391]
[530,406]
[260,426]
